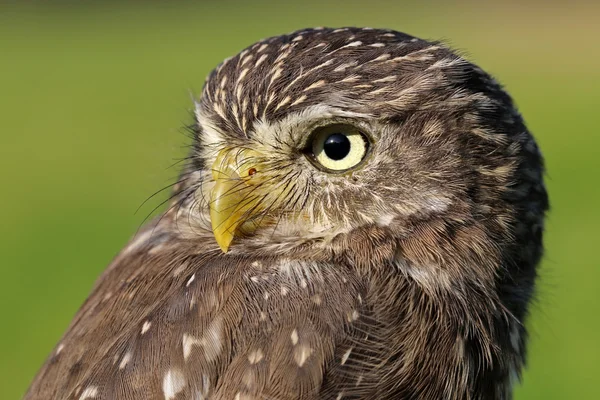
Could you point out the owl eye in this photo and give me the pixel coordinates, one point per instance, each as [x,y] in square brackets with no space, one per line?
[338,147]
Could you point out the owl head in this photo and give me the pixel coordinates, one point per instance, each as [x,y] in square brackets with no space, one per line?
[367,145]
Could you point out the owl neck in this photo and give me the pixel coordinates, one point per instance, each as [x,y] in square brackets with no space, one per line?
[447,297]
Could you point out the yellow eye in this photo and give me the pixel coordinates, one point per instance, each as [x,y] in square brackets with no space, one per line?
[339,147]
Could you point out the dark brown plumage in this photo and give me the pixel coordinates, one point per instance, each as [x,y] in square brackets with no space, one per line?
[377,204]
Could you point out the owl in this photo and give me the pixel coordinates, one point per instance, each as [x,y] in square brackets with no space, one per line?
[360,217]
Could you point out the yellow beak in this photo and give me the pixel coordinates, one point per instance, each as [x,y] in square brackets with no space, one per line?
[234,200]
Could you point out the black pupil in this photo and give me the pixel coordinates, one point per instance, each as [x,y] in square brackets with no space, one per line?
[337,146]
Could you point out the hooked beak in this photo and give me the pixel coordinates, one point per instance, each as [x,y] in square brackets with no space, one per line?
[235,198]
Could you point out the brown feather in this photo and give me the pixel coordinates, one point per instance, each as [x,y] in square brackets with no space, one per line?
[408,277]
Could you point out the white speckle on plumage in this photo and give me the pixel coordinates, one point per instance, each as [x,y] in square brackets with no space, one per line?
[223,81]
[189,282]
[384,219]
[242,75]
[125,360]
[380,58]
[301,354]
[350,79]
[213,340]
[353,316]
[173,383]
[345,356]
[177,271]
[352,44]
[283,102]
[59,348]
[276,74]
[260,60]
[437,204]
[317,299]
[145,326]
[390,78]
[203,393]
[379,91]
[255,356]
[245,59]
[219,110]
[294,337]
[89,393]
[187,342]
[315,85]
[343,67]
[299,100]
[359,380]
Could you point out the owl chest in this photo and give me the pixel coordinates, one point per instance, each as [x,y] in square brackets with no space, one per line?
[331,335]
[310,329]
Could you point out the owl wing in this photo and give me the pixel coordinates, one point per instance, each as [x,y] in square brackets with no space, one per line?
[174,319]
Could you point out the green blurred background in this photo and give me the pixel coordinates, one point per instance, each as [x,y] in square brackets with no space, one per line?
[93,96]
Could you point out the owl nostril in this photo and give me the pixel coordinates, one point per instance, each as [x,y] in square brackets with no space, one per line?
[252,171]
